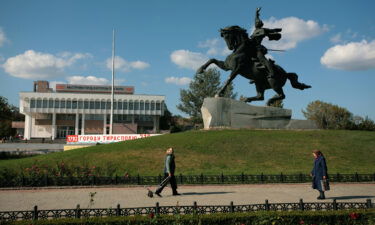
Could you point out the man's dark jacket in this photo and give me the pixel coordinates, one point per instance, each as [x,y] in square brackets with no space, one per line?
[170,165]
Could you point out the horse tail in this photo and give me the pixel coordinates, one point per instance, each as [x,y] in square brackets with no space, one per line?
[293,78]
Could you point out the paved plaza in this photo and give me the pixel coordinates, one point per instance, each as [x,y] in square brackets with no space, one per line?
[32,148]
[106,197]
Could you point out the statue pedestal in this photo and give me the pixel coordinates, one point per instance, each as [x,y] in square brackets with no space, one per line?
[229,113]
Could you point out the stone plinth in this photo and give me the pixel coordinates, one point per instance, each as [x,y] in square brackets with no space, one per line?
[229,113]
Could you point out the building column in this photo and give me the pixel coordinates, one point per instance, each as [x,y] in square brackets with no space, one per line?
[27,131]
[105,124]
[156,124]
[83,124]
[77,124]
[53,135]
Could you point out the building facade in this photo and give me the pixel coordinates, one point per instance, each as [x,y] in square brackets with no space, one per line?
[85,109]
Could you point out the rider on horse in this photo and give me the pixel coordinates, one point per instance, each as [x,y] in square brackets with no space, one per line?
[257,36]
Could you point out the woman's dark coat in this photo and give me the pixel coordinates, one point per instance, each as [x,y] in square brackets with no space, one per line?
[319,170]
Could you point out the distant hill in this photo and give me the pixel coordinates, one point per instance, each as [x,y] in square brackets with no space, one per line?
[220,151]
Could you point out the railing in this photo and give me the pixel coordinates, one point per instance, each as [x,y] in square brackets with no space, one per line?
[77,212]
[181,179]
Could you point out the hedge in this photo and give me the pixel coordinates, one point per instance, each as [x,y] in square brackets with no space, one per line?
[342,217]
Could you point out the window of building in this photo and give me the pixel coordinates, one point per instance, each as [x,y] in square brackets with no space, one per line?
[127,118]
[125,104]
[74,104]
[50,103]
[114,105]
[142,105]
[86,104]
[57,104]
[80,105]
[131,105]
[32,103]
[65,117]
[152,105]
[93,117]
[158,106]
[108,105]
[69,104]
[44,103]
[144,118]
[97,105]
[119,105]
[136,105]
[92,105]
[147,106]
[102,104]
[62,104]
[39,103]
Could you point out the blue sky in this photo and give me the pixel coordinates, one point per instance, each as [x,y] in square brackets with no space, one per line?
[159,44]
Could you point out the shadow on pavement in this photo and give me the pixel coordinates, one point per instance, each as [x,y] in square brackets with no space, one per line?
[207,193]
[350,197]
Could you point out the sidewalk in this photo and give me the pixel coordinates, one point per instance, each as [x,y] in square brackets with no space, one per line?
[106,197]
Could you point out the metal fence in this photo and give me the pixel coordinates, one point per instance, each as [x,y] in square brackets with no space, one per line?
[181,179]
[77,212]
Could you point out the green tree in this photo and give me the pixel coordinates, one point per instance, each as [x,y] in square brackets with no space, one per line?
[166,121]
[8,113]
[328,116]
[360,123]
[278,104]
[203,85]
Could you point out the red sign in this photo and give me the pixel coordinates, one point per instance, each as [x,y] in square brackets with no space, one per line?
[91,139]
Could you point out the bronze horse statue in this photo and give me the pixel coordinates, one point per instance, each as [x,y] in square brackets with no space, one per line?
[243,61]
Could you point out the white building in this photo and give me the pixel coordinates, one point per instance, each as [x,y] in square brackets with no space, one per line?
[85,109]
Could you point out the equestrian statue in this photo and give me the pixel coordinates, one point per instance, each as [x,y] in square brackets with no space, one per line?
[248,60]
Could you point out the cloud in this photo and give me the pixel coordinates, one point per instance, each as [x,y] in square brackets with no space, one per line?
[178,80]
[90,80]
[294,31]
[351,56]
[3,38]
[215,46]
[336,39]
[126,66]
[38,65]
[187,59]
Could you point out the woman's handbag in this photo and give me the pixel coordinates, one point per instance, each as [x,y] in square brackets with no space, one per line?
[325,185]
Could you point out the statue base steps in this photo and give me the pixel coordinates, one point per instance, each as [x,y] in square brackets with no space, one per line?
[229,113]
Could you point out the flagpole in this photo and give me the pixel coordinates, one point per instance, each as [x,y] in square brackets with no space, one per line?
[113,82]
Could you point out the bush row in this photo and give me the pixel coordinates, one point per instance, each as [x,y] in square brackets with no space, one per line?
[342,217]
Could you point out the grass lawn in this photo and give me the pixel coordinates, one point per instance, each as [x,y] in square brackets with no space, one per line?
[221,151]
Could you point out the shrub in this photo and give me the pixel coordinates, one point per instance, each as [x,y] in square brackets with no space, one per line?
[344,217]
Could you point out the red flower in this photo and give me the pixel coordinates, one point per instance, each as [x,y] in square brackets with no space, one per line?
[301,222]
[354,215]
[151,215]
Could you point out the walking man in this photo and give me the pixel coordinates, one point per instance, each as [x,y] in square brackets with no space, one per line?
[169,169]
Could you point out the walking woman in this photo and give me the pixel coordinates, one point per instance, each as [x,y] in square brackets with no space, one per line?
[320,174]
